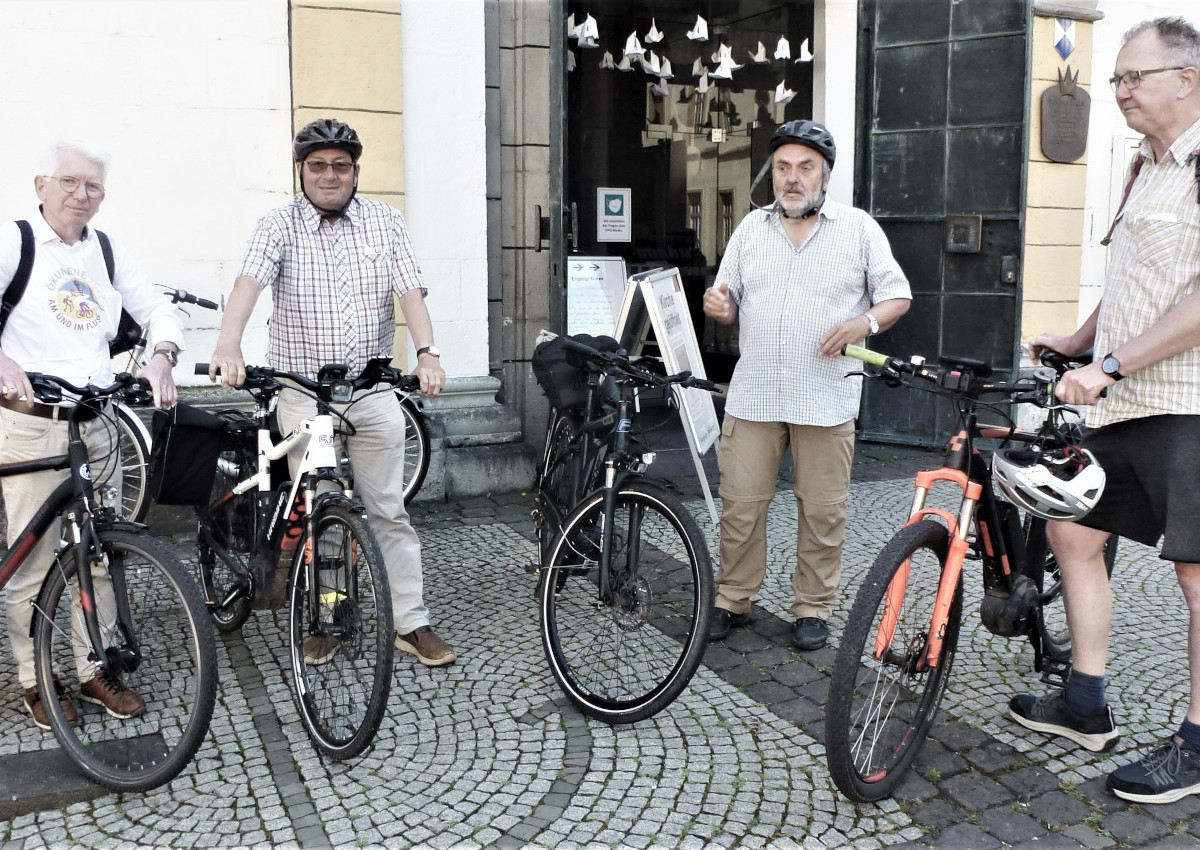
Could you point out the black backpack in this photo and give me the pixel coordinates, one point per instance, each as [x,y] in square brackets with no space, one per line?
[129,332]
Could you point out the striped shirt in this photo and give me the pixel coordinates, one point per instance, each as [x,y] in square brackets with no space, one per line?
[788,298]
[1154,265]
[332,282]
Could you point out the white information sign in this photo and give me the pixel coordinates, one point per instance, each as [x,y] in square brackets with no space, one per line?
[655,299]
[595,287]
[613,216]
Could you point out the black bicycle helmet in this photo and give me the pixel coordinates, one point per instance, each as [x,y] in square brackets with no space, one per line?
[326,133]
[807,133]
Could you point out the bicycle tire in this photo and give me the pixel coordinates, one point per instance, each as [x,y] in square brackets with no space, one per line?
[879,711]
[341,698]
[133,440]
[230,524]
[556,483]
[416,447]
[627,659]
[1051,617]
[171,663]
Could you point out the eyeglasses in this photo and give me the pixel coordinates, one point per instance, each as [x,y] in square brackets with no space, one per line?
[70,184]
[317,167]
[1133,79]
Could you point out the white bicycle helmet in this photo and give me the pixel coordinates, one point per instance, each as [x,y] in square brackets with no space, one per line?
[1061,484]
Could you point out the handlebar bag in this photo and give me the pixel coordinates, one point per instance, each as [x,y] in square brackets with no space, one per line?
[562,373]
[185,441]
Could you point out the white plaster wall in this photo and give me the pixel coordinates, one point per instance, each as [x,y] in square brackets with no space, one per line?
[190,97]
[835,77]
[1109,139]
[445,171]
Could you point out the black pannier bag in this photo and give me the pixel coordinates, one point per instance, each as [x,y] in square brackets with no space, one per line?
[183,461]
[561,373]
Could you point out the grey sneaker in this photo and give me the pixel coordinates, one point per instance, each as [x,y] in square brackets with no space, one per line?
[1169,772]
[1051,714]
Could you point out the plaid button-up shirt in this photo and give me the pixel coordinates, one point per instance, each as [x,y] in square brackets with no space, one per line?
[788,298]
[1155,263]
[332,282]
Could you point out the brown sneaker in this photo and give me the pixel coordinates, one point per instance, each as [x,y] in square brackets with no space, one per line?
[33,704]
[424,643]
[106,690]
[320,649]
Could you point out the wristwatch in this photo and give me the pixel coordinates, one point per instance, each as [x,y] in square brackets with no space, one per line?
[171,355]
[1112,367]
[874,323]
[429,349]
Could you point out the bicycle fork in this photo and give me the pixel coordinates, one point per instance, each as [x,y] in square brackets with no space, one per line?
[957,528]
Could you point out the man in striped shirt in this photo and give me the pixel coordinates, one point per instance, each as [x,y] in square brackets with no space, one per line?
[1146,335]
[802,279]
[336,265]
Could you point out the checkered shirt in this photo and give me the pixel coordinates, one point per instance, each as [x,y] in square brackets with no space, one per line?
[1155,264]
[332,282]
[788,298]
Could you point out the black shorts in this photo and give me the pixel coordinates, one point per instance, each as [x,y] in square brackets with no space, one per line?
[1152,483]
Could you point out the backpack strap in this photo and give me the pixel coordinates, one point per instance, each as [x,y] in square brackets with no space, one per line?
[21,278]
[106,250]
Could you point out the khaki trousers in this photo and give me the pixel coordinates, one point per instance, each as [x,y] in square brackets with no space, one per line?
[376,452]
[749,458]
[29,437]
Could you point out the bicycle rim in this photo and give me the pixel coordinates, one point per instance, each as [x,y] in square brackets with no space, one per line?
[168,654]
[225,536]
[416,447]
[556,482]
[343,676]
[883,694]
[628,658]
[134,446]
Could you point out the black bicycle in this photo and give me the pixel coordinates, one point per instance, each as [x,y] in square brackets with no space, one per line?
[893,665]
[625,584]
[115,603]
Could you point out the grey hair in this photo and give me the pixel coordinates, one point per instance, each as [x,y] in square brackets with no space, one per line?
[1179,37]
[52,156]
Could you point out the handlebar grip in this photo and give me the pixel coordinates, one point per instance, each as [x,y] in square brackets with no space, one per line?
[201,369]
[874,358]
[206,304]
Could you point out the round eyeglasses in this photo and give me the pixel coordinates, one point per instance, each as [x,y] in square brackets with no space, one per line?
[71,184]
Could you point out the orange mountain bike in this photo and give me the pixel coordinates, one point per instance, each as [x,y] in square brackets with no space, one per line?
[894,661]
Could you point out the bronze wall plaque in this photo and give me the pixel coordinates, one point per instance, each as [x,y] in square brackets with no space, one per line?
[1065,108]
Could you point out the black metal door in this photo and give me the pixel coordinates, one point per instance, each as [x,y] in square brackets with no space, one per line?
[940,165]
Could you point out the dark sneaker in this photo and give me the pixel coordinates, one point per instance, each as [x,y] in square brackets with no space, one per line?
[424,643]
[320,649]
[1169,772]
[810,633]
[33,704]
[722,621]
[107,690]
[1051,714]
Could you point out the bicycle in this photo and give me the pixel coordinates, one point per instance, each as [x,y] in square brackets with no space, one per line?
[134,442]
[154,635]
[893,665]
[259,529]
[625,583]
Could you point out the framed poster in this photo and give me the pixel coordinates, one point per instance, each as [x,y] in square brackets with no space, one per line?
[595,288]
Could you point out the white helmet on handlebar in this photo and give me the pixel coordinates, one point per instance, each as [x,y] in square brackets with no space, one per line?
[1063,484]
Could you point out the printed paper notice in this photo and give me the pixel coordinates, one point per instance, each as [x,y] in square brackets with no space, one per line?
[613,223]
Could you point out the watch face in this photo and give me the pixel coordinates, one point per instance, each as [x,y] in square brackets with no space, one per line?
[1111,366]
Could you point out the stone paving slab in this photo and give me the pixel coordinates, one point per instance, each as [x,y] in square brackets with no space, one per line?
[488,753]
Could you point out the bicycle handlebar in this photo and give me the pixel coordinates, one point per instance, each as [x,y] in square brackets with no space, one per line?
[377,371]
[619,361]
[181,296]
[48,389]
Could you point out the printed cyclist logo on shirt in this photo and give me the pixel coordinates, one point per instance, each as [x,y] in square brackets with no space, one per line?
[73,301]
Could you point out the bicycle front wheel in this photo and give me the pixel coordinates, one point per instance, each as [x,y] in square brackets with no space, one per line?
[159,644]
[416,447]
[340,633]
[133,440]
[885,688]
[624,654]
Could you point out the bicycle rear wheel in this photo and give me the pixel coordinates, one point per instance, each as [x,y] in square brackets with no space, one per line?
[225,536]
[416,447]
[133,440]
[626,658]
[340,633]
[161,646]
[556,481]
[883,694]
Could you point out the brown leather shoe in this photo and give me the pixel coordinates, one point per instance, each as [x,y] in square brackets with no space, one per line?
[33,704]
[320,649]
[107,690]
[424,643]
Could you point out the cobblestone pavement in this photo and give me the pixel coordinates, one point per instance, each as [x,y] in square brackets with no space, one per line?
[488,753]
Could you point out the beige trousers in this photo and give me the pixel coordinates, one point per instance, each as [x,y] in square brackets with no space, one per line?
[749,458]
